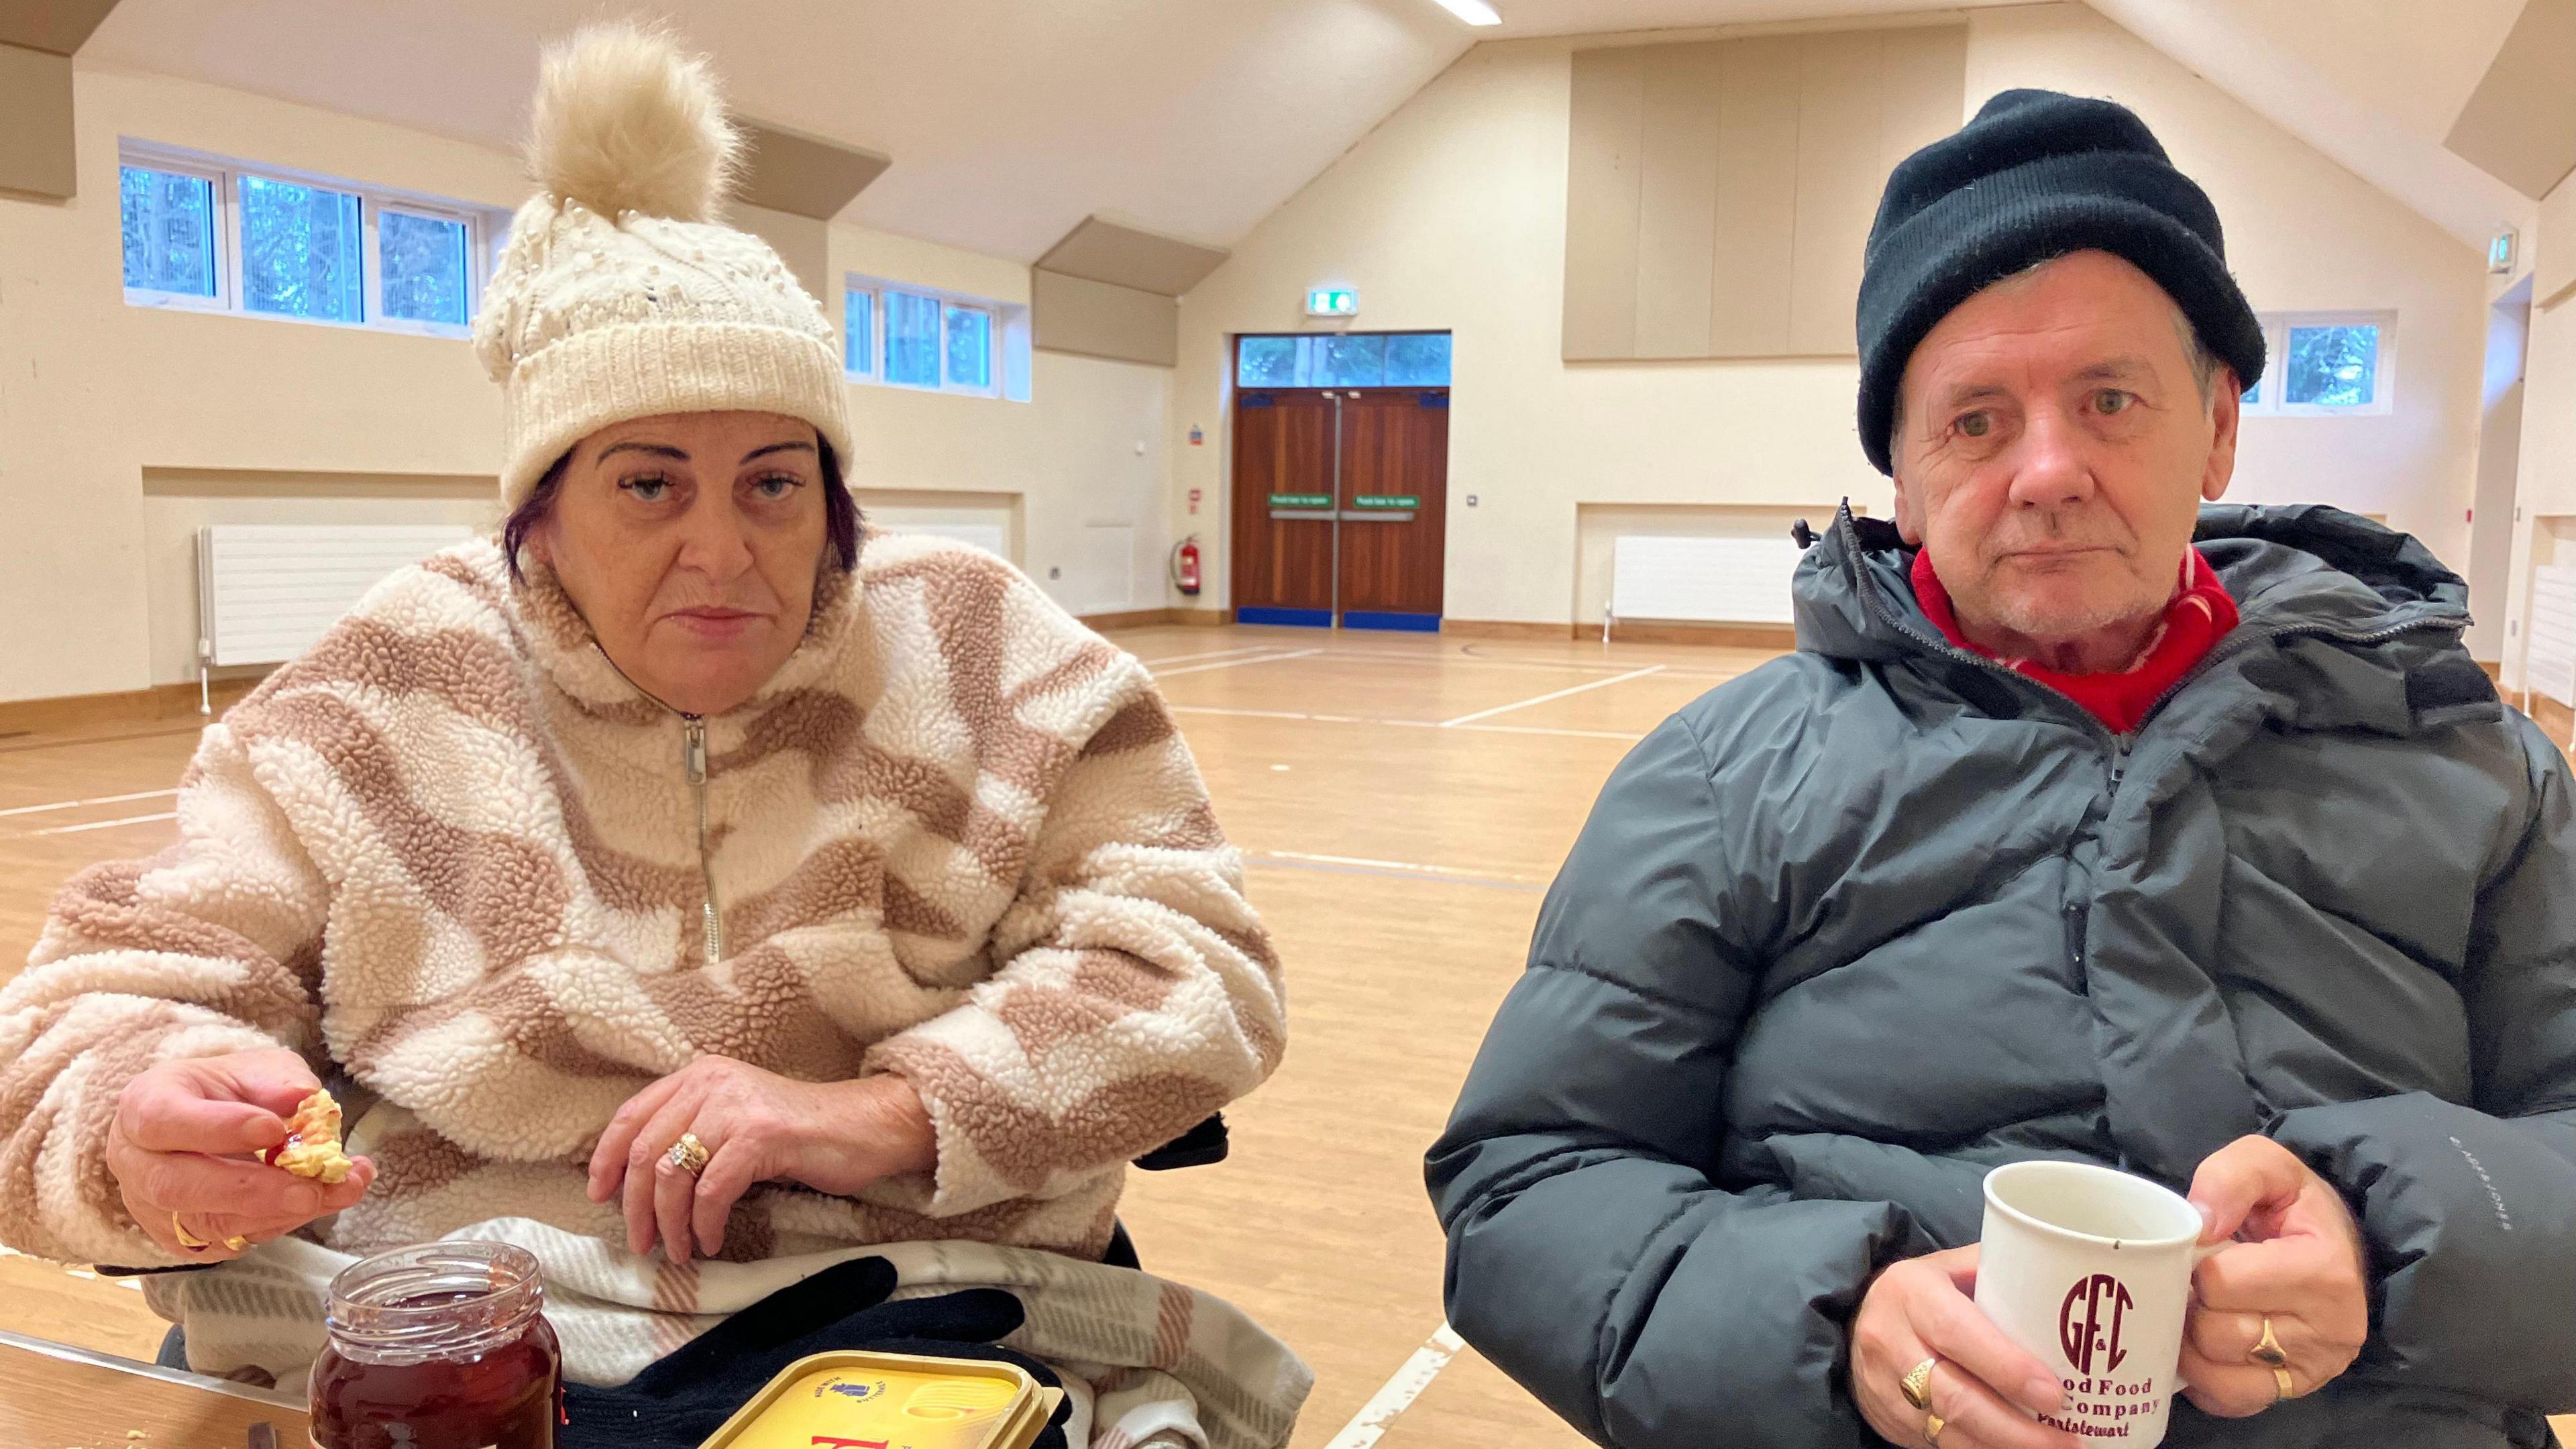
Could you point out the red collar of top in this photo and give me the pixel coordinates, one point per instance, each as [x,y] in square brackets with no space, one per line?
[2200,615]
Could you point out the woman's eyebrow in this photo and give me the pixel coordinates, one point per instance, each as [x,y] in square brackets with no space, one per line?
[776,448]
[659,450]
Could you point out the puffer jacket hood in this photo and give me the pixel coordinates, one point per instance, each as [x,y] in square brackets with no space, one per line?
[2308,571]
[2311,567]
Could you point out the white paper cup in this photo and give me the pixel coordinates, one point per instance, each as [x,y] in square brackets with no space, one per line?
[2090,1270]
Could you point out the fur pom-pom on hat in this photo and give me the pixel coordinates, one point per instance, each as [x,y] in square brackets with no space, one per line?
[621,295]
[625,121]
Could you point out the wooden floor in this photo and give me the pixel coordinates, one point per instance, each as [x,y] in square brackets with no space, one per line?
[1401,802]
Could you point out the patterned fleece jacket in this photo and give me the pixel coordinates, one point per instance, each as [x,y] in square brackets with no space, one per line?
[491,890]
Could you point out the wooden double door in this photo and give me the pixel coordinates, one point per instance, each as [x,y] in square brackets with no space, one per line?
[1341,506]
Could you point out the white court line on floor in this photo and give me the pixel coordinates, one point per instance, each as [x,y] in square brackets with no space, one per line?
[1411,724]
[1261,862]
[1231,663]
[1203,654]
[1299,714]
[1398,867]
[1630,736]
[76,804]
[1398,1393]
[105,824]
[1459,661]
[1464,719]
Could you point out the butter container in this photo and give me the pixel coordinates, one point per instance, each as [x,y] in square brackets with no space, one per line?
[854,1400]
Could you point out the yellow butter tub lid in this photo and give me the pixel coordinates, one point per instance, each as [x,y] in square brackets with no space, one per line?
[854,1400]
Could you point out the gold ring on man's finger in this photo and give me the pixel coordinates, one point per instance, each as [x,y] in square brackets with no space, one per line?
[2282,1388]
[2268,1351]
[1917,1384]
[1933,1424]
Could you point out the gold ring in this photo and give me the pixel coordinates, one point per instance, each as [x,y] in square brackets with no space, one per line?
[1933,1424]
[2268,1352]
[688,1154]
[1917,1384]
[237,1245]
[188,1240]
[2281,1386]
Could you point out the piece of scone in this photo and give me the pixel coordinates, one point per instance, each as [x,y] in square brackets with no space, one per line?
[312,1147]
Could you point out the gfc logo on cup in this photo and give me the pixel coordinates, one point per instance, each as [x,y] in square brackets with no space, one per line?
[2088,1324]
[2091,1324]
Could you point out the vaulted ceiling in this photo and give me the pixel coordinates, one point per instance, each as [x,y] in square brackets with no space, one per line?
[1010,121]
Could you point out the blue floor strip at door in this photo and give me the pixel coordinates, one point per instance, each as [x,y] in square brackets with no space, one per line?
[1408,623]
[1300,618]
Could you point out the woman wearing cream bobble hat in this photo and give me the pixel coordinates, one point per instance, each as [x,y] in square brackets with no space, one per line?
[687,869]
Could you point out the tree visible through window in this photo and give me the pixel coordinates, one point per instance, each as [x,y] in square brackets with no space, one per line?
[1417,359]
[1267,362]
[2331,366]
[422,267]
[2325,365]
[970,348]
[301,250]
[858,340]
[1344,359]
[220,236]
[912,339]
[169,224]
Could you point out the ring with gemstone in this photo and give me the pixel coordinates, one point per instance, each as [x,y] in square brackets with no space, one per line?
[1917,1384]
[688,1154]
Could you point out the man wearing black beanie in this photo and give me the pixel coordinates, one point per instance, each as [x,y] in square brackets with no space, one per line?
[2088,823]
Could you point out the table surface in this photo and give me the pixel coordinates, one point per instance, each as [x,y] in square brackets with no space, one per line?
[56,1397]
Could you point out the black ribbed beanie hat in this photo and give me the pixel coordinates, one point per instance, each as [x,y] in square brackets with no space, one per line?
[2036,175]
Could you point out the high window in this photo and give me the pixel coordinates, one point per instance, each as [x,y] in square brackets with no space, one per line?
[1344,359]
[2326,364]
[913,337]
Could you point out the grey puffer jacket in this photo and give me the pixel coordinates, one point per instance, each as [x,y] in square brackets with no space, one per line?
[1856,927]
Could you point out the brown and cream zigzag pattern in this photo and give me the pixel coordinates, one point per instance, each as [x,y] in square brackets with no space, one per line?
[452,856]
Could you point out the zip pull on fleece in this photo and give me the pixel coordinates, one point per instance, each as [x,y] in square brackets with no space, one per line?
[693,761]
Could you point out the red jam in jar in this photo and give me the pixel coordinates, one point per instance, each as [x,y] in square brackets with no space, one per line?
[439,1346]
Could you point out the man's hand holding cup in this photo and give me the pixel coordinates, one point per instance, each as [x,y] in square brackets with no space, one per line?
[2295,1272]
[1982,1388]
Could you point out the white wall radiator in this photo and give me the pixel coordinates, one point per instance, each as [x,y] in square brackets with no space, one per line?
[266,592]
[1701,580]
[2550,665]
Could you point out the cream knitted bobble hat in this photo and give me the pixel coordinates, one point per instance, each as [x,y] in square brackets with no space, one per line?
[620,294]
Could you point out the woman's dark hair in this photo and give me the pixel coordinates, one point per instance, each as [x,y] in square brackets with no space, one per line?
[840,512]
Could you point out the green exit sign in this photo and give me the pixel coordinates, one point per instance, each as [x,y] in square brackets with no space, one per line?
[1332,302]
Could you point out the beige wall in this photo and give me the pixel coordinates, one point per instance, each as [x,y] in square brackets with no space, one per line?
[1721,190]
[2303,235]
[95,394]
[2545,496]
[1452,215]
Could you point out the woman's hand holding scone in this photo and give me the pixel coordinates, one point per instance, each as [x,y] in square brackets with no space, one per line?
[181,1150]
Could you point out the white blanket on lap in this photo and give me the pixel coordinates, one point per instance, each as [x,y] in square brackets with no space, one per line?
[1144,1359]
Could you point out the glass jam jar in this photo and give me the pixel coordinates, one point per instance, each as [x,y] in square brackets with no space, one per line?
[439,1346]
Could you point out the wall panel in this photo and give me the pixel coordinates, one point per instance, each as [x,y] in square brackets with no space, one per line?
[1719,193]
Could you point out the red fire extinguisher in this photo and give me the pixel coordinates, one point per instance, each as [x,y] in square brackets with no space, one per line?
[1185,565]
